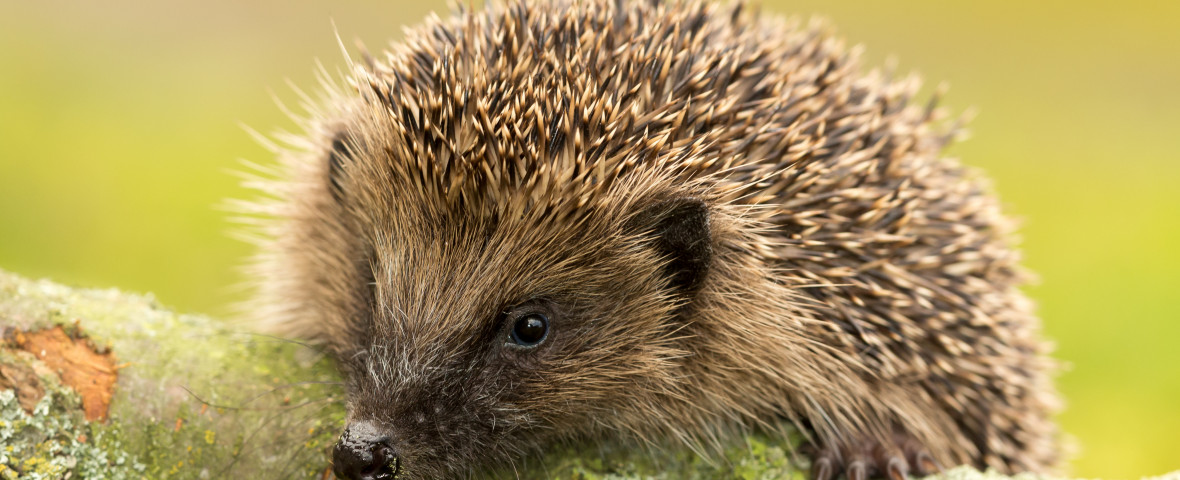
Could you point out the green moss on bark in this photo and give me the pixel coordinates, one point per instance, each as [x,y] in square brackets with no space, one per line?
[195,398]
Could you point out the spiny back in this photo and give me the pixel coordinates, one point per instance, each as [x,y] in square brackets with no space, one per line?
[553,104]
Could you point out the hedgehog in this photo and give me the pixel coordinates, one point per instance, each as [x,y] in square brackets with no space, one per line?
[543,221]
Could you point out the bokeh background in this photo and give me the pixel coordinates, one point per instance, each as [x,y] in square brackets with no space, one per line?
[120,122]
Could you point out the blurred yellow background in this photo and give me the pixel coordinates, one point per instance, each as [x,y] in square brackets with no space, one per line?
[119,125]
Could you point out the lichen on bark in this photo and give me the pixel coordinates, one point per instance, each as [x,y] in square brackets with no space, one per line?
[195,398]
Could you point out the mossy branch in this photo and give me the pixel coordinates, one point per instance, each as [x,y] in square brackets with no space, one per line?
[198,398]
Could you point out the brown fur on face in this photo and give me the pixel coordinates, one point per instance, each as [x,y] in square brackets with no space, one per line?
[725,222]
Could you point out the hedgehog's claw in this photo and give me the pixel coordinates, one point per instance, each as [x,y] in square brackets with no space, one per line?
[925,463]
[856,471]
[865,459]
[896,468]
[821,469]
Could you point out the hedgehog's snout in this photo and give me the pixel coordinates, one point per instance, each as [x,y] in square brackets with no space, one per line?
[364,453]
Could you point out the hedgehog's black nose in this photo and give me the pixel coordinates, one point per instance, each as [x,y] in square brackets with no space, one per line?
[363,453]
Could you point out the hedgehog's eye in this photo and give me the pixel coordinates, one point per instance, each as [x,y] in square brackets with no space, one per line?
[529,330]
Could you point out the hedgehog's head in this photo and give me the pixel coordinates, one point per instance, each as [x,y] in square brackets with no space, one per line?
[480,307]
[483,324]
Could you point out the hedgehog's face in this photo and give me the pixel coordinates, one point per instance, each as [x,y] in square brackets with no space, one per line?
[483,337]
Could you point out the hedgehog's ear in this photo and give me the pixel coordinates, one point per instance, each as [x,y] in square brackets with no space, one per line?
[680,232]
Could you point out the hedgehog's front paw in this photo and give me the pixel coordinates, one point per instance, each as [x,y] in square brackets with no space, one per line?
[865,458]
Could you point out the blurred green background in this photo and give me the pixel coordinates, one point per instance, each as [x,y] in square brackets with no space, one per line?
[119,125]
